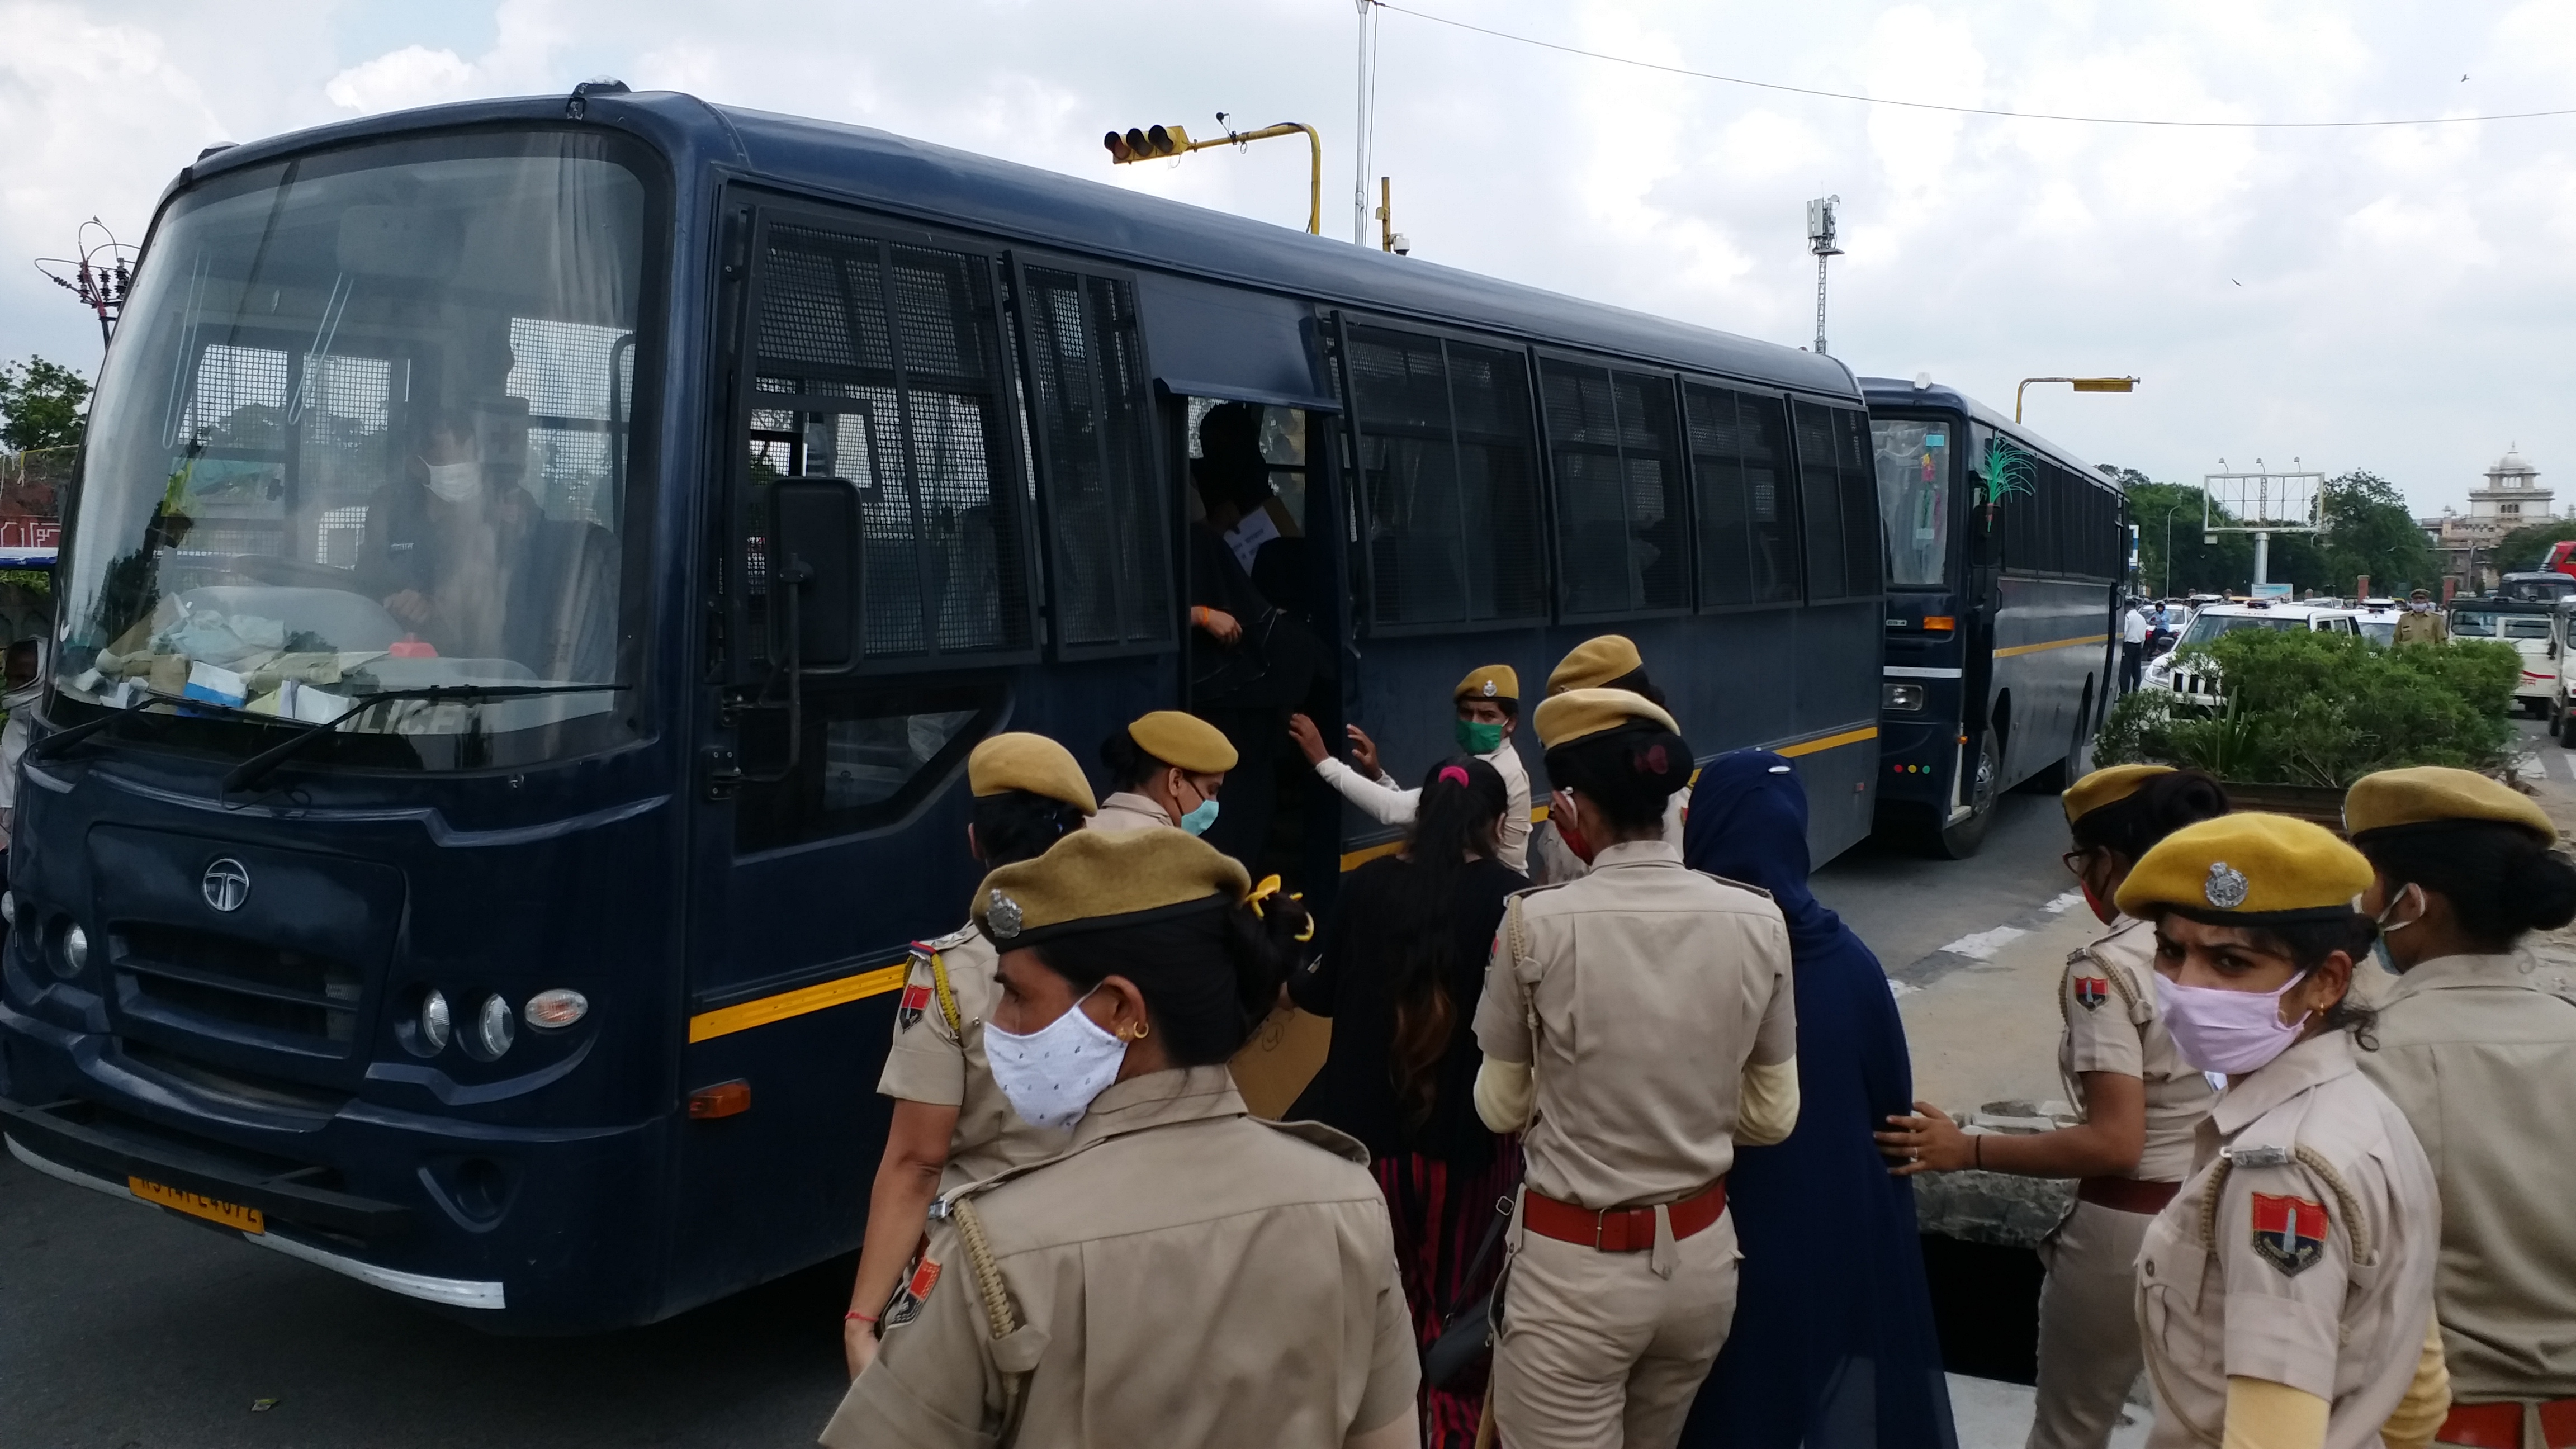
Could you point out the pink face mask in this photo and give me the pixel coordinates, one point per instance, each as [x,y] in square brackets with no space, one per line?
[2233,1032]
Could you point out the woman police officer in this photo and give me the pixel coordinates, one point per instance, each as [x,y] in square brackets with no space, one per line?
[2285,1297]
[951,1125]
[1637,1023]
[1168,767]
[2141,1105]
[2477,1046]
[1181,1274]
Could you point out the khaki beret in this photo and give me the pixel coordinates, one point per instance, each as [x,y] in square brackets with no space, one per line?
[2249,868]
[2107,787]
[1582,713]
[1092,880]
[1595,662]
[1018,761]
[1184,740]
[2430,794]
[1489,681]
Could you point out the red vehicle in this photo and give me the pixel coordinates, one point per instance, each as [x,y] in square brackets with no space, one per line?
[2562,558]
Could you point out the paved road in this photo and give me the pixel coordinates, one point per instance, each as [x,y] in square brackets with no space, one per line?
[1907,906]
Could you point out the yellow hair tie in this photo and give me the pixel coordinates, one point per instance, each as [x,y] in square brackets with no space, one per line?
[1270,887]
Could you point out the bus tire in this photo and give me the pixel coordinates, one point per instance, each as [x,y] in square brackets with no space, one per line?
[1957,840]
[2567,727]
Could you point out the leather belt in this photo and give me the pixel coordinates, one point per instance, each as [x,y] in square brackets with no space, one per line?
[1620,1229]
[2126,1194]
[2499,1426]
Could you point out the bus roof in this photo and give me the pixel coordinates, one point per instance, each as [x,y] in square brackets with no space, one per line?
[1897,392]
[960,189]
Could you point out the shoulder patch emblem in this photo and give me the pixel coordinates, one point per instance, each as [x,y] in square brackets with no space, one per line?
[2290,1232]
[917,990]
[915,1291]
[2226,887]
[2091,992]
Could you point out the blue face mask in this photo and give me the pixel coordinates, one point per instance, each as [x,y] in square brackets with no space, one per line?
[1198,820]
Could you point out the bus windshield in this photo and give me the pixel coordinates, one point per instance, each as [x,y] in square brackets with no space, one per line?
[364,430]
[1914,499]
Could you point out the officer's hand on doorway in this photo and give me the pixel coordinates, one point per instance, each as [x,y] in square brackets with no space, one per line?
[1929,1142]
[1363,752]
[1310,740]
[1221,626]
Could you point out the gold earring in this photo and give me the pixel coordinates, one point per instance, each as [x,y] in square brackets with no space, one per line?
[1143,1030]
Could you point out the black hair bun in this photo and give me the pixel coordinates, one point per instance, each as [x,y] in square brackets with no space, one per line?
[2543,888]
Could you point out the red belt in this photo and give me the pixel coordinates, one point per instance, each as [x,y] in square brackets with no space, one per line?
[1620,1230]
[2127,1194]
[2499,1426]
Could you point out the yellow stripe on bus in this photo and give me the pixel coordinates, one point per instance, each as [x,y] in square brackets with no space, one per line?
[725,1021]
[2051,644]
[1827,742]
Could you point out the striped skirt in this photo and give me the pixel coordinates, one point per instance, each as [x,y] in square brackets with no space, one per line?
[1440,1216]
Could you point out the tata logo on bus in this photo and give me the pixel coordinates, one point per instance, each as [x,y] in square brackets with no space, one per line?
[226,884]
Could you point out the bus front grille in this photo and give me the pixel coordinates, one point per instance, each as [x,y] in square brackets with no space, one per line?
[240,983]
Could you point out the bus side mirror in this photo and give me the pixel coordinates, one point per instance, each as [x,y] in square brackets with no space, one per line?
[817,543]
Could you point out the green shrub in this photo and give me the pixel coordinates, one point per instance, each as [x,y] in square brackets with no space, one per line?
[2307,708]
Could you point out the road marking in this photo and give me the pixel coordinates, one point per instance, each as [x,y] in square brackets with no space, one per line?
[1984,944]
[1902,989]
[2064,903]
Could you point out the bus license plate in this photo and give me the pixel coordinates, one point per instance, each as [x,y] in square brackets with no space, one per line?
[196,1205]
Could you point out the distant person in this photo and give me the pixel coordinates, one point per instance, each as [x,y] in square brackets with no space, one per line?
[951,1124]
[2141,1106]
[2133,645]
[1167,767]
[1399,970]
[1833,1344]
[2477,1046]
[2421,623]
[1489,705]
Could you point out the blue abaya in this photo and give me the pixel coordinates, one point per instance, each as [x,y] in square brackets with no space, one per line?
[1833,1345]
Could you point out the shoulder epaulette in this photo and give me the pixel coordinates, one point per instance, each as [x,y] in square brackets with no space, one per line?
[927,953]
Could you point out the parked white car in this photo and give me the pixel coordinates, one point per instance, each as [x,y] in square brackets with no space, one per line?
[2529,628]
[2196,681]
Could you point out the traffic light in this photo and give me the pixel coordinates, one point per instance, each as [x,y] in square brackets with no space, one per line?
[1145,145]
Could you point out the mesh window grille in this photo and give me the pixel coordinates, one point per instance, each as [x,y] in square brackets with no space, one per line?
[1820,498]
[1107,522]
[1747,528]
[1620,517]
[239,400]
[1861,524]
[1449,478]
[879,363]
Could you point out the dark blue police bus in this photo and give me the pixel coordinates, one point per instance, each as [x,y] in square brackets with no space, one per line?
[539,567]
[2004,555]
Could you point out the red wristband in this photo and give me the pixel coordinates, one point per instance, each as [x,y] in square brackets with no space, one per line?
[855,1316]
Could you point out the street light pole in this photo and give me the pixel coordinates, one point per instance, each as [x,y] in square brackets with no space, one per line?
[2081,384]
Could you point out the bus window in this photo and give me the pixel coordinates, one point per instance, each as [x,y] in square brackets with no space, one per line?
[1106,528]
[1448,522]
[879,362]
[1913,461]
[1748,545]
[1840,501]
[1270,540]
[1619,512]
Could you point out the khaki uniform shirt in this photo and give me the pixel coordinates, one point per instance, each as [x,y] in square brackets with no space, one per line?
[2108,997]
[1183,1275]
[2425,628]
[2479,1052]
[943,1065]
[1127,810]
[1652,985]
[2298,1283]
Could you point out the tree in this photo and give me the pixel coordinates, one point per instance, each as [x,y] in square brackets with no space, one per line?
[40,405]
[2367,529]
[2526,546]
[2173,511]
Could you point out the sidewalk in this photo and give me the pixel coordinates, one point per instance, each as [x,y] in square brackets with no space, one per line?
[1981,1014]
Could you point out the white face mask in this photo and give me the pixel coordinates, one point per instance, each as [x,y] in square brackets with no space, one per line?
[1052,1074]
[455,482]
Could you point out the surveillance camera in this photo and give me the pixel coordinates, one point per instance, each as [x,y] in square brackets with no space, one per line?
[1401,245]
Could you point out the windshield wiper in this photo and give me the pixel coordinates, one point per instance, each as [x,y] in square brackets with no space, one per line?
[258,767]
[63,739]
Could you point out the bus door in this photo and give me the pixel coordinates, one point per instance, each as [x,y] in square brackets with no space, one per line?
[1981,597]
[869,606]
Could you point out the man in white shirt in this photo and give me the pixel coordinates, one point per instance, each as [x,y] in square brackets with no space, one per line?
[2133,645]
[1489,705]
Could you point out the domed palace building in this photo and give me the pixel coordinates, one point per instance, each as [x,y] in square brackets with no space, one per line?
[2511,497]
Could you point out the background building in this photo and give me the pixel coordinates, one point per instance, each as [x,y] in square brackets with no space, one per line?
[2511,498]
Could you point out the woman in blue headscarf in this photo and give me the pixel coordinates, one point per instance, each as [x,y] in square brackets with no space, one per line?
[1833,1344]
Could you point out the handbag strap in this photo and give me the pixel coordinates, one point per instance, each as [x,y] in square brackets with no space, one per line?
[1484,1251]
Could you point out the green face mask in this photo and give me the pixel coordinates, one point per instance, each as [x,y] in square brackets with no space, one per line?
[1479,739]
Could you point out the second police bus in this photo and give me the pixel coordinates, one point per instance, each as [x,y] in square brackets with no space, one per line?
[538,569]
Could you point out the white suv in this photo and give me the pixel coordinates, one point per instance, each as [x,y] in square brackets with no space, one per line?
[2196,681]
[2528,627]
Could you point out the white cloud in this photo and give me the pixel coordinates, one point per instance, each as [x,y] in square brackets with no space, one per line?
[411,76]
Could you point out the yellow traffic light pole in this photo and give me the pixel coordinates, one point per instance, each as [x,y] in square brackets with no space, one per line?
[2081,384]
[1160,141]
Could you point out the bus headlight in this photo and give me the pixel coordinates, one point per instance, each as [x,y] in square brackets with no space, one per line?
[9,907]
[76,950]
[558,1008]
[1901,696]
[494,1026]
[436,1026]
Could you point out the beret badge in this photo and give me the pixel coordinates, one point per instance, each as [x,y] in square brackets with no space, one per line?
[1492,689]
[2226,886]
[1003,915]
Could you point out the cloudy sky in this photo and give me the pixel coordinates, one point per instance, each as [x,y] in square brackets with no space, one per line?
[2397,299]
